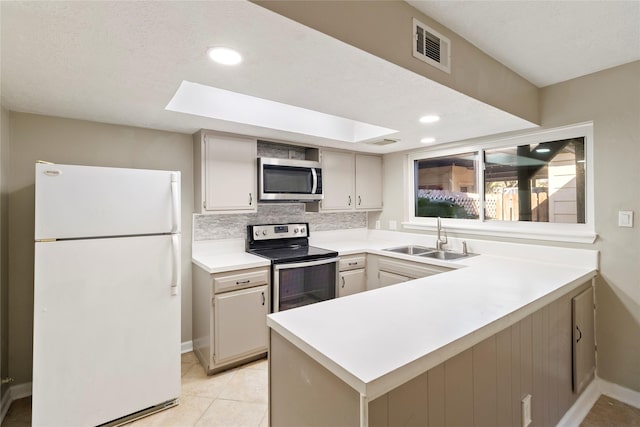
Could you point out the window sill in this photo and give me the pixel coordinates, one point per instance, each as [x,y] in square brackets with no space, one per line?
[513,231]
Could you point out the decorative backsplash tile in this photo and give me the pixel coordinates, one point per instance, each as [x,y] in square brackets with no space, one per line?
[232,226]
[280,151]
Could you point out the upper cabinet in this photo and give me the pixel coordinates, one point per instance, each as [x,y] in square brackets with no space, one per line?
[368,182]
[338,186]
[351,181]
[224,173]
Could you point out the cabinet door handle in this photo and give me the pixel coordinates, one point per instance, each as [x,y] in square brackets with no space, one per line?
[349,200]
[263,298]
[353,263]
[359,200]
[580,332]
[343,281]
[250,199]
[242,282]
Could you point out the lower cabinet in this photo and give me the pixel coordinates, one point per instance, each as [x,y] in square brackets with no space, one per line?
[385,278]
[352,277]
[583,348]
[230,316]
[384,271]
[351,282]
[239,323]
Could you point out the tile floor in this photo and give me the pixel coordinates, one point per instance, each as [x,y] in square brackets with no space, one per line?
[238,398]
[608,412]
[234,398]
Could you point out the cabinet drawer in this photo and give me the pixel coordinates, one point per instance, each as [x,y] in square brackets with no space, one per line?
[409,269]
[240,279]
[352,262]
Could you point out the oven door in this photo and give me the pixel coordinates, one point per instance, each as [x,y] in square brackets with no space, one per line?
[302,283]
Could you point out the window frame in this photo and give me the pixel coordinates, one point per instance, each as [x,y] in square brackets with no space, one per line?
[560,232]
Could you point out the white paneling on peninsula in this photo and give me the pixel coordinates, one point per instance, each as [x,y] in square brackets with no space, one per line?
[433,350]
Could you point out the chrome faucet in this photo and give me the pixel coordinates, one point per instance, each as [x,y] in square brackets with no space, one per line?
[440,242]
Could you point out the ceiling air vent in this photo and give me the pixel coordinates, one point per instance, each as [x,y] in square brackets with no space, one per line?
[383,142]
[431,47]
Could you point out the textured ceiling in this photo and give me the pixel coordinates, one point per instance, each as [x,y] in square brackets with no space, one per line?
[546,42]
[121,62]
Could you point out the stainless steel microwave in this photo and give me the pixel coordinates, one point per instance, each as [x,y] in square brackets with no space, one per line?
[288,179]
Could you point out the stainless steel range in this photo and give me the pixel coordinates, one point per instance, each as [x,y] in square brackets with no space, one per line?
[300,274]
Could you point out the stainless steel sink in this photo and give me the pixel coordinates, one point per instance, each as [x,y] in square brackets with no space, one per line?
[444,255]
[410,250]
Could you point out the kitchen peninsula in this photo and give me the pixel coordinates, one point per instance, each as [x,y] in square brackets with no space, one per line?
[464,346]
[460,348]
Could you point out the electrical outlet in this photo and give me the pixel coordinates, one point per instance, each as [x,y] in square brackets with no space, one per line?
[526,410]
[393,225]
[377,224]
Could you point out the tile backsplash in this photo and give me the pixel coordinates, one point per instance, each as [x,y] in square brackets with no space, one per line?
[232,226]
[280,151]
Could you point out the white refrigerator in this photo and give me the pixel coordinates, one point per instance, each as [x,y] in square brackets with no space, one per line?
[106,338]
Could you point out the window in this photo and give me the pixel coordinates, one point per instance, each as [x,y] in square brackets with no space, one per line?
[535,186]
[446,187]
[538,182]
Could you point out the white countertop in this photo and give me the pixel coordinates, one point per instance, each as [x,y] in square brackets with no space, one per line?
[218,256]
[380,339]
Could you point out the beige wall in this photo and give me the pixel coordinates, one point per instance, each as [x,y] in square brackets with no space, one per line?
[384,29]
[58,140]
[611,99]
[4,252]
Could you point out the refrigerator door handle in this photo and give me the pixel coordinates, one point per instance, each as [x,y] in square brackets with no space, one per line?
[175,203]
[175,264]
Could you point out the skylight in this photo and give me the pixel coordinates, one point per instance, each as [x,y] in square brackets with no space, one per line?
[207,101]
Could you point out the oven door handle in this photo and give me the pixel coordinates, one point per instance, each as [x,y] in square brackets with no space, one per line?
[286,266]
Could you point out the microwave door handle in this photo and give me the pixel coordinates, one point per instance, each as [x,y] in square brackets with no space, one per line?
[314,181]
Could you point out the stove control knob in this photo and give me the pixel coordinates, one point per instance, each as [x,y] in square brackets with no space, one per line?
[302,230]
[295,231]
[257,233]
[264,232]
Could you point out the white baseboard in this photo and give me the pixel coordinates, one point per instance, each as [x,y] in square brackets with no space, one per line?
[5,403]
[579,410]
[15,392]
[623,394]
[598,387]
[186,347]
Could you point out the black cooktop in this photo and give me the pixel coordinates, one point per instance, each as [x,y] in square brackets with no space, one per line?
[284,243]
[294,253]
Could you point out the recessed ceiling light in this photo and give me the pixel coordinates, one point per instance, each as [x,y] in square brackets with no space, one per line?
[427,140]
[429,119]
[224,56]
[542,150]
